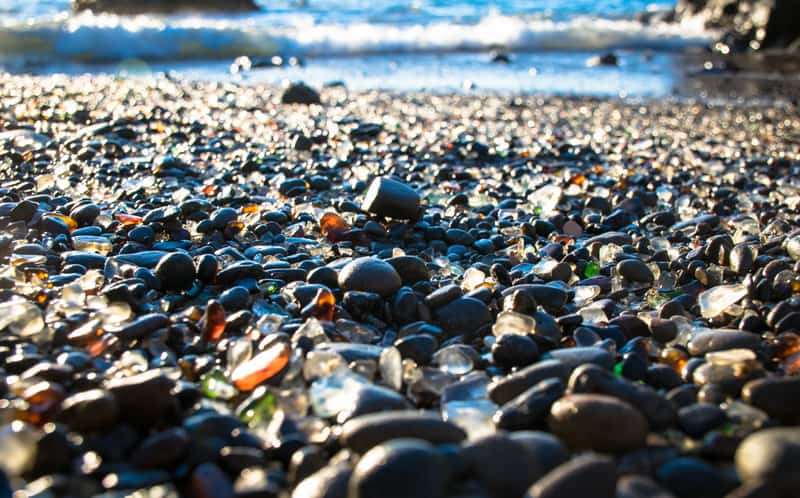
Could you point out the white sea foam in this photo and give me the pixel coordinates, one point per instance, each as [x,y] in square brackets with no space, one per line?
[105,38]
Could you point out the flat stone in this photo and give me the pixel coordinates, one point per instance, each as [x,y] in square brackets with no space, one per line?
[722,339]
[364,432]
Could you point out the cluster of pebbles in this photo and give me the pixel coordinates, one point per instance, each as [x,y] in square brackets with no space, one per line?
[213,290]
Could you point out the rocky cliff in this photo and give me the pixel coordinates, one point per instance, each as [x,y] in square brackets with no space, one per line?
[749,24]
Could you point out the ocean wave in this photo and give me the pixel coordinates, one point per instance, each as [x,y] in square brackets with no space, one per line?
[105,38]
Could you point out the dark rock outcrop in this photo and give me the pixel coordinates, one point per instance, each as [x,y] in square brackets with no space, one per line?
[748,24]
[127,7]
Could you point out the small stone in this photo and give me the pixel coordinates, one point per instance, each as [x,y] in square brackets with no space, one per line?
[464,315]
[90,410]
[779,397]
[699,418]
[399,469]
[772,456]
[689,477]
[300,93]
[370,275]
[635,270]
[176,271]
[329,482]
[143,398]
[390,198]
[585,476]
[411,269]
[366,431]
[598,422]
[512,350]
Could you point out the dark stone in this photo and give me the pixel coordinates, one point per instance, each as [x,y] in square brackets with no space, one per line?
[300,93]
[410,268]
[162,449]
[143,398]
[771,456]
[418,347]
[530,408]
[636,486]
[599,422]
[698,419]
[464,315]
[501,464]
[720,340]
[779,397]
[176,271]
[503,390]
[512,350]
[388,197]
[369,275]
[585,476]
[209,481]
[328,482]
[635,270]
[594,379]
[399,469]
[89,410]
[689,477]
[364,432]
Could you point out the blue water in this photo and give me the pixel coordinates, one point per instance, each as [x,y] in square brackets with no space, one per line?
[423,44]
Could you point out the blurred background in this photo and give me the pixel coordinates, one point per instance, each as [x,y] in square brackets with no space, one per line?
[618,47]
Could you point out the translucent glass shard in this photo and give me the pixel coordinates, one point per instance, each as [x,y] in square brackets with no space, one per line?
[717,299]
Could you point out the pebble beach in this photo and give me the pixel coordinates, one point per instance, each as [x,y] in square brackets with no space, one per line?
[223,289]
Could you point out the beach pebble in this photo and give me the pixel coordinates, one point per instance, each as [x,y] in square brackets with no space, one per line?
[370,275]
[388,197]
[598,422]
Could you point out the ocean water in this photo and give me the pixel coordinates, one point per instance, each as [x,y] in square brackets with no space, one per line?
[437,45]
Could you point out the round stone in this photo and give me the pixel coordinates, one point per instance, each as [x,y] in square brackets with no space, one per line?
[399,469]
[176,271]
[370,275]
[599,422]
[635,270]
[771,455]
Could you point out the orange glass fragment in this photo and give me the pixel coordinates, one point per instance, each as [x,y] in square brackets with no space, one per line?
[322,307]
[784,346]
[213,322]
[209,190]
[43,400]
[261,367]
[250,208]
[577,179]
[674,358]
[333,226]
[791,366]
[128,219]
